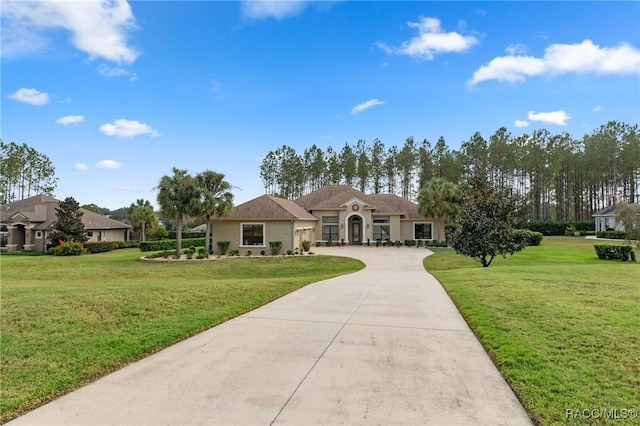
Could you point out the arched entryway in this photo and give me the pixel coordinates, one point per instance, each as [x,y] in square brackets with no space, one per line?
[355,230]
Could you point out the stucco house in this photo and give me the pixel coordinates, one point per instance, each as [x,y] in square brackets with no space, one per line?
[26,224]
[336,213]
[606,219]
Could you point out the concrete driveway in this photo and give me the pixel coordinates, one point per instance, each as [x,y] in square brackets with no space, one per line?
[382,346]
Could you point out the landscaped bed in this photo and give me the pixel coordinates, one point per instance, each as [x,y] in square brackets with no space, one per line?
[69,320]
[562,326]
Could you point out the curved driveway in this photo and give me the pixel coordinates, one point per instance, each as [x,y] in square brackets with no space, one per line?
[382,346]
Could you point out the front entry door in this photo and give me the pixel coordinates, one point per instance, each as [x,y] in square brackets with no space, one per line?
[355,233]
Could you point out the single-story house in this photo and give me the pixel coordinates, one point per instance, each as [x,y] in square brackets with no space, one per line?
[26,224]
[335,213]
[606,219]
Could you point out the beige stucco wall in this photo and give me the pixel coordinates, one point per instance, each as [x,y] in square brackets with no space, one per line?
[107,235]
[437,230]
[230,230]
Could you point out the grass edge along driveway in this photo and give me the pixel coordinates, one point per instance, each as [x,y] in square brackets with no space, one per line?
[67,321]
[562,326]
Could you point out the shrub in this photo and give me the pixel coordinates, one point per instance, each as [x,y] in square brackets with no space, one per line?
[398,243]
[223,247]
[570,231]
[51,250]
[202,253]
[160,233]
[248,253]
[263,253]
[69,248]
[318,243]
[170,244]
[611,252]
[614,235]
[306,245]
[410,243]
[553,227]
[532,238]
[378,243]
[289,252]
[275,246]
[104,246]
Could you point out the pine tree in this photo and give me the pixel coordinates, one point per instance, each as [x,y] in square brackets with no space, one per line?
[69,224]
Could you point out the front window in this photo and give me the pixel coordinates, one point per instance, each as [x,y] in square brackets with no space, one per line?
[381,228]
[38,234]
[252,234]
[422,231]
[330,228]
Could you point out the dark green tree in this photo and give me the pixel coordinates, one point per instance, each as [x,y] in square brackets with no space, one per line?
[24,172]
[68,225]
[142,217]
[487,221]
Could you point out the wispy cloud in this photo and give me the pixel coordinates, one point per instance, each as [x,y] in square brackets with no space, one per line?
[584,57]
[81,167]
[70,119]
[430,40]
[98,28]
[598,108]
[556,117]
[30,96]
[123,128]
[521,123]
[276,9]
[108,164]
[111,72]
[365,105]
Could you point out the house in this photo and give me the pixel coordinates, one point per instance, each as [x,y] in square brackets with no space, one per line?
[606,219]
[335,213]
[26,224]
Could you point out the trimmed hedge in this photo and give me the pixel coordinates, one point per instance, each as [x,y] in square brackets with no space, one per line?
[552,227]
[186,235]
[614,235]
[104,246]
[170,244]
[611,252]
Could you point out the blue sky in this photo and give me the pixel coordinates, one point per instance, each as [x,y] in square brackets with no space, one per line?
[117,93]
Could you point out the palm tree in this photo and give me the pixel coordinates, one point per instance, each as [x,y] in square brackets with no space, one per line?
[216,200]
[178,196]
[142,217]
[439,198]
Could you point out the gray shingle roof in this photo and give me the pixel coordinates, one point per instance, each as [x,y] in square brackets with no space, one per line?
[609,211]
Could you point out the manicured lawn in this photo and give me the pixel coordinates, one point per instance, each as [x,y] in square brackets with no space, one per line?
[69,320]
[562,326]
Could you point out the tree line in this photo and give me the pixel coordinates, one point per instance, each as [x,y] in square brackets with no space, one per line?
[24,172]
[560,177]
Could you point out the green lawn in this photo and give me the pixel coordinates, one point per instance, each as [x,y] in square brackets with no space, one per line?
[66,321]
[562,326]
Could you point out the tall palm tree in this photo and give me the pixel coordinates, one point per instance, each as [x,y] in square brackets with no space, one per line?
[216,200]
[439,198]
[142,217]
[178,196]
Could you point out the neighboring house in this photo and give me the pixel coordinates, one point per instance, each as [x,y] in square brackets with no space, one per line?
[26,224]
[335,213]
[200,228]
[606,219]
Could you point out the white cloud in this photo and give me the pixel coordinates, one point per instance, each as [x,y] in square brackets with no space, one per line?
[127,129]
[431,40]
[30,96]
[81,166]
[365,105]
[556,117]
[70,119]
[111,72]
[108,164]
[516,49]
[584,57]
[521,123]
[276,9]
[98,28]
[598,108]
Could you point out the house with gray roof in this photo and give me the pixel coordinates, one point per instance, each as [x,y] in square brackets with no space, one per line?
[606,219]
[334,213]
[26,224]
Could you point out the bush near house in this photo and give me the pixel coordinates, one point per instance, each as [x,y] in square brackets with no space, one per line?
[104,246]
[275,246]
[69,248]
[533,238]
[223,247]
[614,235]
[552,227]
[170,244]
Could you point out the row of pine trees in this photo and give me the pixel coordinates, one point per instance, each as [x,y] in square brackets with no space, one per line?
[560,177]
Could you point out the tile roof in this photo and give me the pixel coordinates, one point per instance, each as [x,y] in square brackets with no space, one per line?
[408,208]
[334,196]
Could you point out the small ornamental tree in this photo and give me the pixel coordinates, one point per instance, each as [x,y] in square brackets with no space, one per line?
[629,216]
[487,222]
[68,225]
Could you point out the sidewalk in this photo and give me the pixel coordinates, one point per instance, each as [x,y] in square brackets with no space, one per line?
[381,346]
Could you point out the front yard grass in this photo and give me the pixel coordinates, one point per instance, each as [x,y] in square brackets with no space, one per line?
[562,326]
[69,320]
